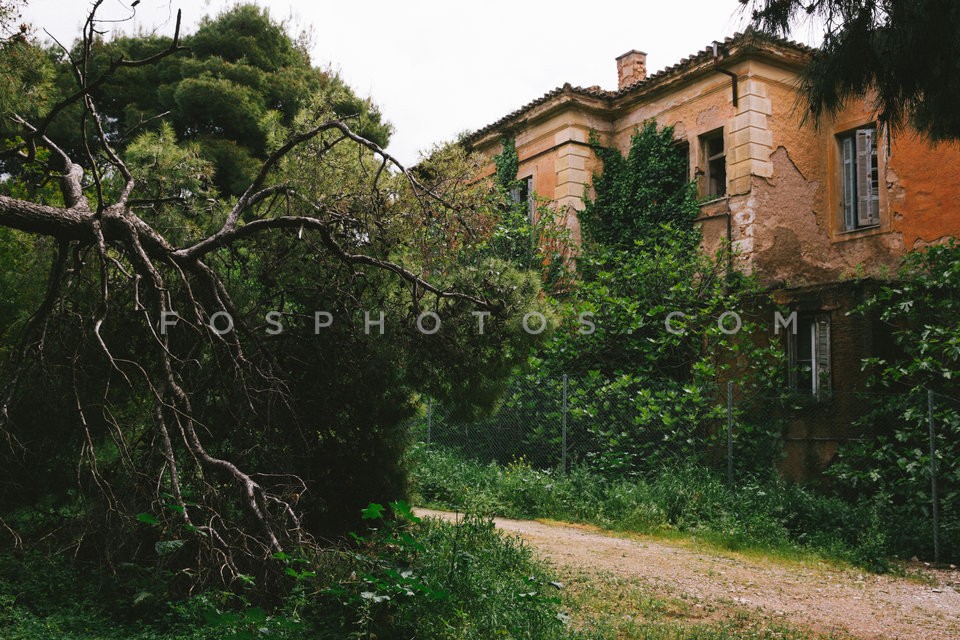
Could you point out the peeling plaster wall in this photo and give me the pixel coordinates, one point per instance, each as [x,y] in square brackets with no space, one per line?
[792,243]
[783,185]
[789,229]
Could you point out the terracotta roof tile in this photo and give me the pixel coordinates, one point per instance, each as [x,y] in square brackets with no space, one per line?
[594,91]
[660,76]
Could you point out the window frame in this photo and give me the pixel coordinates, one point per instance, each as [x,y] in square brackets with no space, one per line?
[815,328]
[524,191]
[858,210]
[707,159]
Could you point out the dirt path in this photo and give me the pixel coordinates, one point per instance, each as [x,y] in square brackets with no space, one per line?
[822,597]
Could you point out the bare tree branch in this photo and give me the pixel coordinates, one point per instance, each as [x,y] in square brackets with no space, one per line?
[124,267]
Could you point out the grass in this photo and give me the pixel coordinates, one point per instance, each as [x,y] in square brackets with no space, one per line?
[452,581]
[404,578]
[770,518]
[487,586]
[401,579]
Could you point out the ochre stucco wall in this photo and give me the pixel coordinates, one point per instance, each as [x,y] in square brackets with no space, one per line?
[783,174]
[925,191]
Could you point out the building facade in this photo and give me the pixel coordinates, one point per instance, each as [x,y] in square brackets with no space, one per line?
[814,210]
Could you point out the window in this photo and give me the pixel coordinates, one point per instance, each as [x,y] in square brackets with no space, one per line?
[861,179]
[808,350]
[523,192]
[714,158]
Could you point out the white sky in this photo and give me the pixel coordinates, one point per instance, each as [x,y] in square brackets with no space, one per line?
[438,68]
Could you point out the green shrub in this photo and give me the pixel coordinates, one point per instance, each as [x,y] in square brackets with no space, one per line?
[51,596]
[768,515]
[403,578]
[890,464]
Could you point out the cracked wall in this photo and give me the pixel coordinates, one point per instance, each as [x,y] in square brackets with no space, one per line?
[789,227]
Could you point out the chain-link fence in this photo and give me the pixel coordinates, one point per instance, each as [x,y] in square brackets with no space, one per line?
[560,422]
[899,450]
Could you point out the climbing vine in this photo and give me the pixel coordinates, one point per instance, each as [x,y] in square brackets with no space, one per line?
[507,164]
[530,233]
[636,194]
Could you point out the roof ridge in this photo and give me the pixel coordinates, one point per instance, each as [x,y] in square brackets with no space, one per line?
[595,91]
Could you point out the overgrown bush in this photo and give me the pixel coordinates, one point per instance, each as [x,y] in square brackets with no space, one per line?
[636,195]
[891,463]
[403,577]
[647,392]
[529,233]
[431,579]
[768,515]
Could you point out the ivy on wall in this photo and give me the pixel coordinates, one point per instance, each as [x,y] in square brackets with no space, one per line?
[530,233]
[507,164]
[635,195]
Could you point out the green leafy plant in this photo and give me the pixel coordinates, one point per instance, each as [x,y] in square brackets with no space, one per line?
[637,194]
[765,514]
[891,463]
[427,578]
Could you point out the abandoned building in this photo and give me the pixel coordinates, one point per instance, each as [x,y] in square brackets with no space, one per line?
[815,211]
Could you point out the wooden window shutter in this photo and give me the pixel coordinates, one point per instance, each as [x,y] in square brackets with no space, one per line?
[792,360]
[849,184]
[868,212]
[531,201]
[822,383]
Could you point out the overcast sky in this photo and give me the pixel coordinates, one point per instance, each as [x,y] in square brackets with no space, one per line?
[439,68]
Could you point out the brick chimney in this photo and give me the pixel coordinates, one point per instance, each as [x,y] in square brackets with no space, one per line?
[631,68]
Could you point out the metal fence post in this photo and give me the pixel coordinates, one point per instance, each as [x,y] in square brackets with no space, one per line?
[429,417]
[934,491]
[564,428]
[730,433]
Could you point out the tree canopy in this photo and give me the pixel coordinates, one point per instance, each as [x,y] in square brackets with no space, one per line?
[237,83]
[907,51]
[223,367]
[8,13]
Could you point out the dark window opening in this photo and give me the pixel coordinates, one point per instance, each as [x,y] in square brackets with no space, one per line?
[523,192]
[715,164]
[808,351]
[682,149]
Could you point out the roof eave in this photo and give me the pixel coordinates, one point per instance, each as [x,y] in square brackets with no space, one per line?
[780,52]
[551,104]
